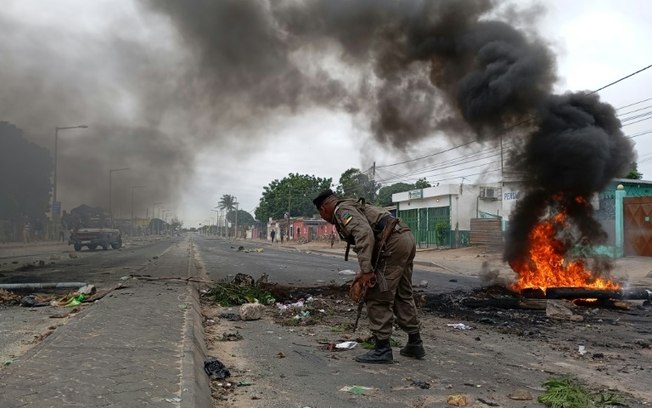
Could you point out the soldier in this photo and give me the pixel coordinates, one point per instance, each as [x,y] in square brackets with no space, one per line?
[385,252]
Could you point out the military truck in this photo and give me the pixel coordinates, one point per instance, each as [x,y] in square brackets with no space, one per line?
[90,227]
[95,237]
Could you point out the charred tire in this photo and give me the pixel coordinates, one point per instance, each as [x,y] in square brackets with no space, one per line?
[92,247]
[116,245]
[77,247]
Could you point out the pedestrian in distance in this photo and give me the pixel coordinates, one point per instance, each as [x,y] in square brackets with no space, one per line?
[272,235]
[385,248]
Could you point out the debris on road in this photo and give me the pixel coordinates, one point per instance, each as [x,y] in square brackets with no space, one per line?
[460,326]
[358,389]
[251,311]
[457,400]
[231,336]
[215,369]
[520,394]
[346,345]
[424,385]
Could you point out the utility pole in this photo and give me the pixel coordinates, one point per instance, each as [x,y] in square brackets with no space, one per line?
[235,231]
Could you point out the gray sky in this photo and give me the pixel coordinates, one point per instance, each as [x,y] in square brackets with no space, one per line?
[123,69]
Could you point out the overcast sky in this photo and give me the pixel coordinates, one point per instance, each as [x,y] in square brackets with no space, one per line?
[122,69]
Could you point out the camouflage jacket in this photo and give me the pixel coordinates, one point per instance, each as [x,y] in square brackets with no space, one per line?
[359,224]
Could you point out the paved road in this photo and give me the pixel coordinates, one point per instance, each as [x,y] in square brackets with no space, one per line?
[287,265]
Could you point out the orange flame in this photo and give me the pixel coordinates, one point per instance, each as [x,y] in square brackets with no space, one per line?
[547,267]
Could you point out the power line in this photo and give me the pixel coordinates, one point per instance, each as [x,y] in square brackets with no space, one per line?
[524,121]
[621,79]
[645,132]
[637,121]
[635,110]
[635,103]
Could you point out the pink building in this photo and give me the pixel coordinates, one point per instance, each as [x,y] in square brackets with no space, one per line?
[305,229]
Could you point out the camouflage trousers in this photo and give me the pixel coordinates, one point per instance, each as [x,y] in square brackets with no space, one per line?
[397,303]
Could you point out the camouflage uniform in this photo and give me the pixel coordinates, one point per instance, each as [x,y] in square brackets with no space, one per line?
[361,225]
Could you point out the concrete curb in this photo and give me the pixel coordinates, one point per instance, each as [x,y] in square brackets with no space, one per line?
[195,385]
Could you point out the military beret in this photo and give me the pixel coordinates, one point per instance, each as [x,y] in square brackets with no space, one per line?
[321,197]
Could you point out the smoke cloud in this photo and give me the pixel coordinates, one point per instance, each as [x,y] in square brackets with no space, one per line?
[203,71]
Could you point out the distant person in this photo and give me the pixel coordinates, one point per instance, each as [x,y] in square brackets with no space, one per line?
[272,234]
[281,237]
[332,239]
[386,250]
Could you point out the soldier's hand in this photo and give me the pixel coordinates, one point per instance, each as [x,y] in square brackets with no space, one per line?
[368,280]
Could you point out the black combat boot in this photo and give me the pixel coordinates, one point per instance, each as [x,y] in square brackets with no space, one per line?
[381,354]
[414,347]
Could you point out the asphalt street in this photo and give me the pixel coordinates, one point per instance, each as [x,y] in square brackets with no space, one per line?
[287,265]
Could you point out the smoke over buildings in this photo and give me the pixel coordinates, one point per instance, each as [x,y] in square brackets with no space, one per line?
[176,76]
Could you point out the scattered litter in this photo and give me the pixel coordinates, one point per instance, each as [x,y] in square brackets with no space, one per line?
[422,284]
[251,311]
[346,345]
[346,272]
[73,301]
[457,400]
[520,394]
[31,301]
[87,290]
[581,350]
[231,336]
[490,403]
[358,389]
[424,385]
[215,369]
[460,326]
[175,399]
[232,317]
[280,354]
[183,306]
[244,383]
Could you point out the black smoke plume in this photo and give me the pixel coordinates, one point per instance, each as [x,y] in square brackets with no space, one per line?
[437,67]
[408,70]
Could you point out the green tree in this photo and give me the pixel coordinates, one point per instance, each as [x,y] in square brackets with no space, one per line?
[176,224]
[384,198]
[25,186]
[293,193]
[422,183]
[355,184]
[634,173]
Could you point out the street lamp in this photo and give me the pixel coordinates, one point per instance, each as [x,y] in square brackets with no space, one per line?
[132,207]
[111,171]
[56,207]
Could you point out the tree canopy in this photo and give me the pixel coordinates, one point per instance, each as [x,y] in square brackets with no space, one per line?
[227,202]
[356,184]
[634,173]
[25,170]
[384,198]
[293,193]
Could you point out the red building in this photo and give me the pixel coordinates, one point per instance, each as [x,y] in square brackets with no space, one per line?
[301,229]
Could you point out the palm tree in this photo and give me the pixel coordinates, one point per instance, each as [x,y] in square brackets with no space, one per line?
[228,203]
